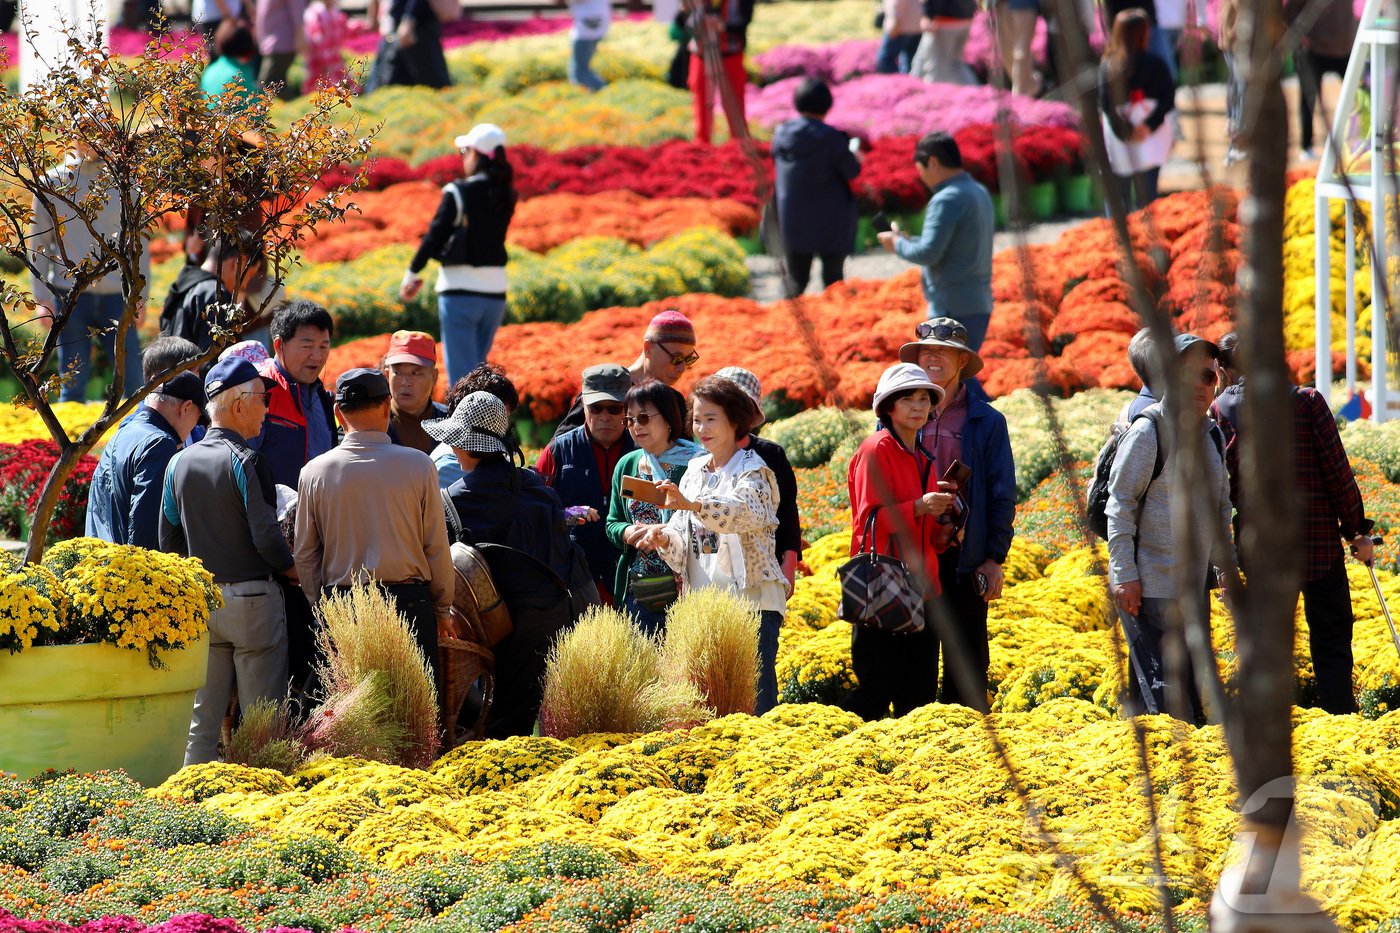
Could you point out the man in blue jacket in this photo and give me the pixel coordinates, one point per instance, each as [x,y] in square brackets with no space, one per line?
[579,465]
[966,428]
[955,245]
[300,422]
[124,498]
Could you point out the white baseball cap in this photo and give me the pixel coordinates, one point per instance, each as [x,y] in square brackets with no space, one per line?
[484,138]
[902,376]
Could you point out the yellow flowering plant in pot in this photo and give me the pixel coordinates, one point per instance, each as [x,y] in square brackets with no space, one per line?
[107,645]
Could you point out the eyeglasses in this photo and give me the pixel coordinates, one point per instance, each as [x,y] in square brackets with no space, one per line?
[688,360]
[642,418]
[265,396]
[604,408]
[940,331]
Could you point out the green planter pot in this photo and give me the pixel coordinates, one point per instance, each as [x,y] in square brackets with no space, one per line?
[96,707]
[1077,194]
[752,245]
[999,210]
[1042,200]
[865,235]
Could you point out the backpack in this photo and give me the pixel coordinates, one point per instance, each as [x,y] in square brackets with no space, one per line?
[190,276]
[1103,467]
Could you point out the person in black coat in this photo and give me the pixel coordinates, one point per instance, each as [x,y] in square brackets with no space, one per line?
[814,164]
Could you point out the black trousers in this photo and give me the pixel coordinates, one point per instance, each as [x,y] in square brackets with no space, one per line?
[1311,68]
[892,669]
[968,612]
[799,271]
[1327,608]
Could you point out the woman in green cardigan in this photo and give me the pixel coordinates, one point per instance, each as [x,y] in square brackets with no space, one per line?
[645,584]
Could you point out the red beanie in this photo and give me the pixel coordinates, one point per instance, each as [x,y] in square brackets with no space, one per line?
[671,327]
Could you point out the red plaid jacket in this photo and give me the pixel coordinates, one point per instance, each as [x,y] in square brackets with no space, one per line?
[1331,505]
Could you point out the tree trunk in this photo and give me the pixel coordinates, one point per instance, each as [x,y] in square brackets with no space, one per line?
[48,500]
[1260,892]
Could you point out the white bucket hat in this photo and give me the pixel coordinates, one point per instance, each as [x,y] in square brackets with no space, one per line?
[751,386]
[902,376]
[478,424]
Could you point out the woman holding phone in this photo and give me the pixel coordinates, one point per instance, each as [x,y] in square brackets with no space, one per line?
[896,500]
[645,583]
[724,513]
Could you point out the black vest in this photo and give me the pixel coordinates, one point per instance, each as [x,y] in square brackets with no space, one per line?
[485,240]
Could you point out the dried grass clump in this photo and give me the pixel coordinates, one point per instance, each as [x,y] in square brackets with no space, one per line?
[712,643]
[267,737]
[359,723]
[604,676]
[371,660]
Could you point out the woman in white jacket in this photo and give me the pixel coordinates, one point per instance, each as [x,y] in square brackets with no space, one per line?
[726,511]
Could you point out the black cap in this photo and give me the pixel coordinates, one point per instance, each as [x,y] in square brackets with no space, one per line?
[187,387]
[361,385]
[1184,342]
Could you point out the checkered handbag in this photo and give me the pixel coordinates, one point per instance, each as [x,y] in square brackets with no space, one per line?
[877,590]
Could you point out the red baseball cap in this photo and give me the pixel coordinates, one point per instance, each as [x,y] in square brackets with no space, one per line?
[411,346]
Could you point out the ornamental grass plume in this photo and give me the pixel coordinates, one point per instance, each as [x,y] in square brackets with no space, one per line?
[363,634]
[266,737]
[604,676]
[712,642]
[358,721]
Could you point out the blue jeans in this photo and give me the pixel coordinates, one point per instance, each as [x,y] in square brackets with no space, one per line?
[652,623]
[579,60]
[469,324]
[769,623]
[1138,190]
[101,312]
[896,53]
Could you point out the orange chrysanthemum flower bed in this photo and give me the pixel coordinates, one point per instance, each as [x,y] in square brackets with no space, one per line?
[400,214]
[1064,312]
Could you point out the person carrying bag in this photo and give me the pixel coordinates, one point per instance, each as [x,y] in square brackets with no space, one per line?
[896,502]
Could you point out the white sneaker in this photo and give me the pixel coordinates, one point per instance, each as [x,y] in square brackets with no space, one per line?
[1234,154]
[1307,155]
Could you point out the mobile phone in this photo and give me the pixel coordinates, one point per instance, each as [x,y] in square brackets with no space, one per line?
[880,222]
[634,487]
[979,583]
[958,473]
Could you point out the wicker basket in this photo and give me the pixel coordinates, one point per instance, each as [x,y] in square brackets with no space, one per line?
[461,664]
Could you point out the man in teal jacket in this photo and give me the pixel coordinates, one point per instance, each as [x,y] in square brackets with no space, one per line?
[955,245]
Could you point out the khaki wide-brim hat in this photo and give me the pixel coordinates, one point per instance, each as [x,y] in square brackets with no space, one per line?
[943,332]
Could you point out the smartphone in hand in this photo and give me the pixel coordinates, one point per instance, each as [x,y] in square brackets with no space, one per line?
[881,223]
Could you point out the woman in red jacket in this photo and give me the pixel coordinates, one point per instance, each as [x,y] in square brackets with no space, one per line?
[891,472]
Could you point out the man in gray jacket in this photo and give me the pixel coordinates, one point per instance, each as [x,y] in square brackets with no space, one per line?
[219,505]
[1144,563]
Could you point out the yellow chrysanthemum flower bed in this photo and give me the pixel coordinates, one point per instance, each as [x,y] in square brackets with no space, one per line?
[811,792]
[19,424]
[808,792]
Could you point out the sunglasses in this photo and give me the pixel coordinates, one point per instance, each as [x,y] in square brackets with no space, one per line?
[642,418]
[1208,376]
[265,396]
[688,360]
[940,331]
[605,408]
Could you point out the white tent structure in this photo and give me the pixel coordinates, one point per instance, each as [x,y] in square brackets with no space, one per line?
[1355,158]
